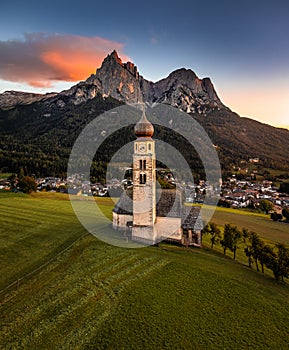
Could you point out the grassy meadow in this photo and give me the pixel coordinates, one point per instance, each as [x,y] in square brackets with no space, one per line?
[86,294]
[4,175]
[257,222]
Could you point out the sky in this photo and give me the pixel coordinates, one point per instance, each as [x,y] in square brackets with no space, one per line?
[243,46]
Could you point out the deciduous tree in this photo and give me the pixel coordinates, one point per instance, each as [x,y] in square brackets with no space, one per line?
[285,213]
[267,257]
[275,216]
[266,206]
[248,245]
[257,246]
[27,184]
[227,241]
[283,261]
[213,230]
[231,239]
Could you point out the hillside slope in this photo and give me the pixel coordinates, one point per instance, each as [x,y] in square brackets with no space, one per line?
[39,136]
[244,138]
[106,297]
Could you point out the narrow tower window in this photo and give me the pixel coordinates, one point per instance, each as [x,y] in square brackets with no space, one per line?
[142,164]
[142,179]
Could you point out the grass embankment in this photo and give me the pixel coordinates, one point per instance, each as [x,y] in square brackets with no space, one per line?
[253,221]
[97,296]
[260,223]
[270,232]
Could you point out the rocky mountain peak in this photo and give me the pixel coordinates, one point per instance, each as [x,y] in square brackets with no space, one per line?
[183,74]
[184,90]
[118,79]
[112,58]
[114,78]
[122,81]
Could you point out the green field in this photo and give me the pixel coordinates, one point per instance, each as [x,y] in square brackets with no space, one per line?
[4,175]
[260,223]
[91,295]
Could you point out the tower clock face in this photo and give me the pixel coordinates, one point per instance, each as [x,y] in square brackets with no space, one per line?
[142,147]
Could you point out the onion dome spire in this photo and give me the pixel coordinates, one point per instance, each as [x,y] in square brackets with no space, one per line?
[143,127]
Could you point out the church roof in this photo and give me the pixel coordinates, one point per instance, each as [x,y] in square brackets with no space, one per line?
[191,218]
[124,204]
[168,204]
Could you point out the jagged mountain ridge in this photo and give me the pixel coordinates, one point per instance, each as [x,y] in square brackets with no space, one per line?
[122,81]
[10,99]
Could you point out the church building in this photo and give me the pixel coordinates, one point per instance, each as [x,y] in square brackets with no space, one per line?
[149,215]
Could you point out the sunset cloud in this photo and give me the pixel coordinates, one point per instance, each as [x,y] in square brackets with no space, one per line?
[41,59]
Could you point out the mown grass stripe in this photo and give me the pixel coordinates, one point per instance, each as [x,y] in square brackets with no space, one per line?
[71,301]
[20,279]
[95,321]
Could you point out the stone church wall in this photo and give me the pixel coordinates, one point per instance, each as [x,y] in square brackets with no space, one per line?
[119,221]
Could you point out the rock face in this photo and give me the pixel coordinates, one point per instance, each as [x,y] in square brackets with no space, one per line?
[10,99]
[114,78]
[184,90]
[181,89]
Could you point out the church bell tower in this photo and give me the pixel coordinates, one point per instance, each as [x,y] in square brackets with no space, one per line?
[144,179]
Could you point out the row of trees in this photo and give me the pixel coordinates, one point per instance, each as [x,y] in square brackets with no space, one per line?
[275,258]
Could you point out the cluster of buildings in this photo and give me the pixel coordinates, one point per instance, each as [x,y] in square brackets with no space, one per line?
[242,194]
[234,193]
[5,185]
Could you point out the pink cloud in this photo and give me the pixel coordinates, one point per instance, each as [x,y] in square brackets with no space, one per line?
[40,84]
[41,59]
